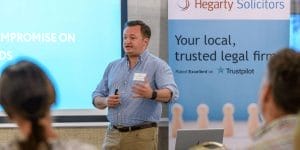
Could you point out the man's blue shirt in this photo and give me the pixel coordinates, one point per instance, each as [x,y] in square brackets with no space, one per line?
[133,111]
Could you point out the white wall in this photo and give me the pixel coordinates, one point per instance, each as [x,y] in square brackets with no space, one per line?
[153,13]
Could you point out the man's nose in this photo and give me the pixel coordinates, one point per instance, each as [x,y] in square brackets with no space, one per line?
[125,41]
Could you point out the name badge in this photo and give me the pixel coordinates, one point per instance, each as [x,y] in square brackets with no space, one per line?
[139,76]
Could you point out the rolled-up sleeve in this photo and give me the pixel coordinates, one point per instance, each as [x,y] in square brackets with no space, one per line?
[165,79]
[102,88]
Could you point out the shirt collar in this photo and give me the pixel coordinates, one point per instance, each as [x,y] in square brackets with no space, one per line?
[142,56]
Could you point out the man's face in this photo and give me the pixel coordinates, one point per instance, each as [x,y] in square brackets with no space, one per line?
[134,43]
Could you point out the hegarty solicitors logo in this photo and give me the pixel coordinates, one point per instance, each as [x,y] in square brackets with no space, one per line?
[183,4]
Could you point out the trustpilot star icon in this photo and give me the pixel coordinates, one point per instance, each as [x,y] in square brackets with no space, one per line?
[220,70]
[183,4]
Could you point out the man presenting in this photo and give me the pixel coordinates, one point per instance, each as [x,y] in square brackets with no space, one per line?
[133,88]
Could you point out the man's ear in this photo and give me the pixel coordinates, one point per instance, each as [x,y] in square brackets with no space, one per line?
[146,41]
[265,93]
[264,100]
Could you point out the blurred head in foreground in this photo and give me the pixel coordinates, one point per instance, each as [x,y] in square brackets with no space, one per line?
[26,94]
[280,93]
[279,102]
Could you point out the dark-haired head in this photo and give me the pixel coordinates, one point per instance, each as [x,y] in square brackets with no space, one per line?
[145,29]
[26,92]
[284,80]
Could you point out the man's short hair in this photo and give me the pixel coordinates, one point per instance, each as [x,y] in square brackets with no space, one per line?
[145,29]
[284,79]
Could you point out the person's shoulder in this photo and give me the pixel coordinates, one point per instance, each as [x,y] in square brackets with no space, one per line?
[156,59]
[117,61]
[276,135]
[11,145]
[278,143]
[71,145]
[3,147]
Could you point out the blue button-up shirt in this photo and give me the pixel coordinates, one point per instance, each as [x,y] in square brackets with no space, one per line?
[133,111]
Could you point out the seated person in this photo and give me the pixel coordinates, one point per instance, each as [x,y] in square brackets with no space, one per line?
[279,102]
[26,94]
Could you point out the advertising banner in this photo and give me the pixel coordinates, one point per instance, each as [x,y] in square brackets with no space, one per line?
[218,50]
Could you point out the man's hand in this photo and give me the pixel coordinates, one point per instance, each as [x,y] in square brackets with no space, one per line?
[142,90]
[113,101]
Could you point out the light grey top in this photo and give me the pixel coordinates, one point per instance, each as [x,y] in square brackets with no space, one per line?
[56,145]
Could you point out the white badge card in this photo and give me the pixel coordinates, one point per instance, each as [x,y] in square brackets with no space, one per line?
[139,77]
